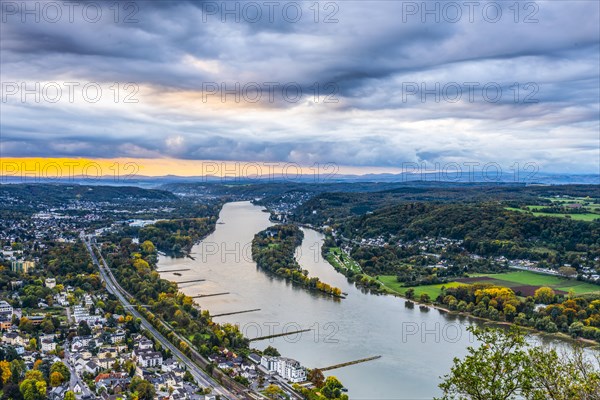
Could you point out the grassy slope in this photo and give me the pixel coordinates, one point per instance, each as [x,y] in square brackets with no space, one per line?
[389,281]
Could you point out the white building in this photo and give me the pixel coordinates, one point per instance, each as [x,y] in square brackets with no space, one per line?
[80,342]
[149,359]
[270,363]
[5,308]
[48,345]
[50,283]
[287,368]
[145,344]
[117,337]
[291,370]
[80,314]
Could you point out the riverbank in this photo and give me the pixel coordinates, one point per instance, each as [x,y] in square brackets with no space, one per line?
[559,335]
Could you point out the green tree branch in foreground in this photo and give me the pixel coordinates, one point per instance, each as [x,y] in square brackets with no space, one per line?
[506,367]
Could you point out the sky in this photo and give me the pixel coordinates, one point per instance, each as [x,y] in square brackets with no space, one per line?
[369,86]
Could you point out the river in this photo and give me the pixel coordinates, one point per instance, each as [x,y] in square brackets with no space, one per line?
[417,345]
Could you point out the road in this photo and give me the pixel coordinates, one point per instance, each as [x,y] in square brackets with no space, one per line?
[75,379]
[113,287]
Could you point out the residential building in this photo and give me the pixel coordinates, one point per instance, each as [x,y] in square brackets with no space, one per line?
[5,308]
[48,345]
[149,359]
[287,368]
[21,266]
[117,337]
[291,370]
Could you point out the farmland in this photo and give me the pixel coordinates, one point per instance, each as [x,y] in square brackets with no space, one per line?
[525,282]
[588,217]
[585,207]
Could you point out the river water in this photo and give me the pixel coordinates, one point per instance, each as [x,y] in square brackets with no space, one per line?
[417,345]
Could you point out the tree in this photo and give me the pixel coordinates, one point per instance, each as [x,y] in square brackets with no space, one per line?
[332,389]
[11,392]
[70,396]
[494,371]
[410,293]
[188,377]
[32,389]
[141,266]
[17,369]
[83,329]
[48,326]
[424,298]
[148,247]
[25,325]
[563,377]
[32,344]
[144,389]
[568,271]
[576,328]
[505,367]
[62,369]
[37,364]
[56,379]
[5,372]
[316,377]
[271,351]
[510,311]
[34,374]
[544,295]
[273,391]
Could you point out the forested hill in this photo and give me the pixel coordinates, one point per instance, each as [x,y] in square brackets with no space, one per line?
[328,207]
[487,229]
[59,194]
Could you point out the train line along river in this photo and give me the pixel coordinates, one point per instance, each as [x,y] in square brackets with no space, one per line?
[417,345]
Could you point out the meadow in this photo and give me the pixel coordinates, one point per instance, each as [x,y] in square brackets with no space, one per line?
[527,282]
[524,283]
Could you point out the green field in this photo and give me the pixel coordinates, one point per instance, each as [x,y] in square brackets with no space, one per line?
[588,217]
[518,278]
[345,262]
[507,279]
[390,282]
[582,200]
[586,202]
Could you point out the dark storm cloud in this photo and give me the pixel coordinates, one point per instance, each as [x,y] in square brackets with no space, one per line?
[371,56]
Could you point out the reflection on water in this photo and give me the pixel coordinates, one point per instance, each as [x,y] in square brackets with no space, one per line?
[417,344]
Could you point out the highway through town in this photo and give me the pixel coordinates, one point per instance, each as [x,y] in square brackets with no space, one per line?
[113,287]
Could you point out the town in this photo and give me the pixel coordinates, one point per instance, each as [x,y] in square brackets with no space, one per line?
[107,355]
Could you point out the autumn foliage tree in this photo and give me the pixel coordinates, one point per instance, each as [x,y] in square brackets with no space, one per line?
[544,295]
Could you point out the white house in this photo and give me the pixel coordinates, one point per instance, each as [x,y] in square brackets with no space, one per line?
[145,344]
[117,337]
[149,359]
[5,308]
[48,345]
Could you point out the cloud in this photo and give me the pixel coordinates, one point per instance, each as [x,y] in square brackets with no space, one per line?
[379,85]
